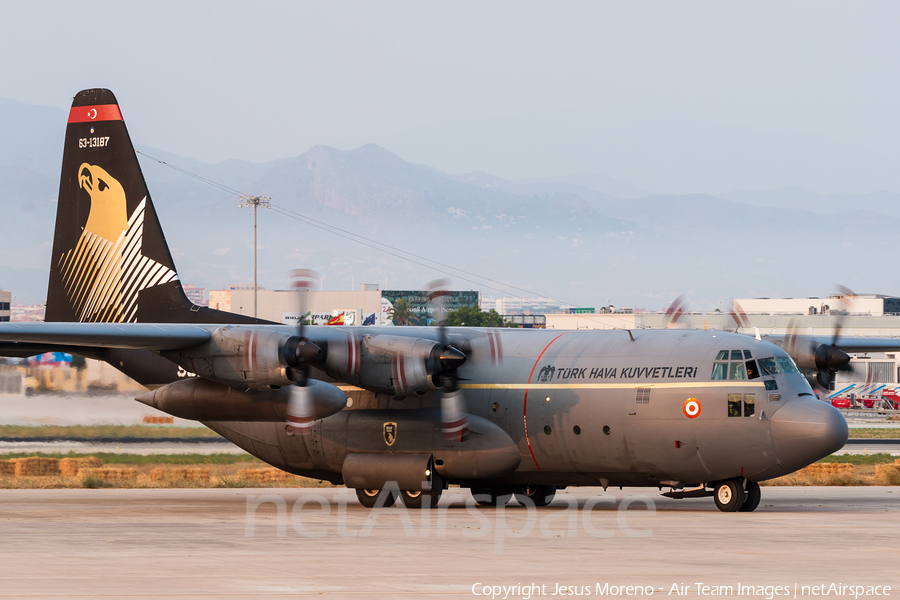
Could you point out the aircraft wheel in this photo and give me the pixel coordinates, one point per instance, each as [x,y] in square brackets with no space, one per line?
[416,499]
[373,498]
[729,495]
[491,497]
[538,495]
[753,496]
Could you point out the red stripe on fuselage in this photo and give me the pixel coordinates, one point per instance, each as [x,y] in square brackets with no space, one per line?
[100,112]
[525,402]
[246,351]
[493,349]
[401,372]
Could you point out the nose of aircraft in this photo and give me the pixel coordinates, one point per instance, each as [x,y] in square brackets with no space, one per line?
[805,430]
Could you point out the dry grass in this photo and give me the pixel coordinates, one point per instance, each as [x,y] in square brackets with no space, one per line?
[888,474]
[68,467]
[91,472]
[861,475]
[95,431]
[175,475]
[37,467]
[875,433]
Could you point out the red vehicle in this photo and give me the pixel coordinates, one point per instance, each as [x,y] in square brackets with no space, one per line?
[892,396]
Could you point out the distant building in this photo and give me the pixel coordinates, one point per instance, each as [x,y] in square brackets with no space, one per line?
[874,305]
[27,313]
[5,302]
[366,306]
[523,306]
[195,294]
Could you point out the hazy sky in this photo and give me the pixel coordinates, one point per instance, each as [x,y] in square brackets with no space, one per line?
[671,96]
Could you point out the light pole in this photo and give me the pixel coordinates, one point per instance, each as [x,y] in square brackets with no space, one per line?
[255,202]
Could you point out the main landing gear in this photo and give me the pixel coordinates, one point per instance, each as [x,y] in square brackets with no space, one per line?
[737,495]
[387,498]
[530,495]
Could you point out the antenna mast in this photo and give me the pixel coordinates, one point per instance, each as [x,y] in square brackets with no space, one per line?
[255,202]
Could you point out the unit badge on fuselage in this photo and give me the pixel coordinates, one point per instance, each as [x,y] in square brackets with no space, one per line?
[390,433]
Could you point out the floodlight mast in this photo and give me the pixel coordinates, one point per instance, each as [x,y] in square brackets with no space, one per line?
[255,202]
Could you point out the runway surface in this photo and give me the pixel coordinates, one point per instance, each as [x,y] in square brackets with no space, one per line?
[201,543]
[76,409]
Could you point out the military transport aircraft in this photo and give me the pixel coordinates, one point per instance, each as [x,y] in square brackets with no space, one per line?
[500,411]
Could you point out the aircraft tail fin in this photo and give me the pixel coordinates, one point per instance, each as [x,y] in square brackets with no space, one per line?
[110,260]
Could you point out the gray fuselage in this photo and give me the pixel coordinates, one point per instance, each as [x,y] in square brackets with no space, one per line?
[580,408]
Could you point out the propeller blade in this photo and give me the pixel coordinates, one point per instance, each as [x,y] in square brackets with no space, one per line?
[299,353]
[300,410]
[824,379]
[675,310]
[303,281]
[454,417]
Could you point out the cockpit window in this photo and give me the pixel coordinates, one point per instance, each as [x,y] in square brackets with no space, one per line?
[720,371]
[768,366]
[742,369]
[737,371]
[787,365]
[752,369]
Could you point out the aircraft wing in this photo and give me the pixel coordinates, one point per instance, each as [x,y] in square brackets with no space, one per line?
[139,336]
[845,343]
[865,344]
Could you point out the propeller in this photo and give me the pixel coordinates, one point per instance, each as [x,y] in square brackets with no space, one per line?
[454,418]
[829,358]
[299,353]
[825,359]
[741,320]
[675,310]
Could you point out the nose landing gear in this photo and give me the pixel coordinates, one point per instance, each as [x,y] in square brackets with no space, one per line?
[737,495]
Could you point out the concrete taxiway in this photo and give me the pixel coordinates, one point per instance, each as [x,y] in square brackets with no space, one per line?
[255,543]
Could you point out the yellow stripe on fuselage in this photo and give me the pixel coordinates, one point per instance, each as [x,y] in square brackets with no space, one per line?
[609,386]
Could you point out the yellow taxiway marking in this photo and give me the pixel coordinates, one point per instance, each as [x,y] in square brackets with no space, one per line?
[608,386]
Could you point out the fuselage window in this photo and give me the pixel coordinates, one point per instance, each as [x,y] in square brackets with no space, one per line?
[749,404]
[734,405]
[722,355]
[736,400]
[737,355]
[747,354]
[720,371]
[737,371]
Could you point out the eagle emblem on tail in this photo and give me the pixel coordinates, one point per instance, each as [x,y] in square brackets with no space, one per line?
[106,270]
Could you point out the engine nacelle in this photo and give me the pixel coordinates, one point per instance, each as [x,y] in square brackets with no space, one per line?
[239,357]
[416,363]
[201,400]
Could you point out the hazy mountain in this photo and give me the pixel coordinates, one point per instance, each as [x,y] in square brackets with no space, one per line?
[596,183]
[584,239]
[887,203]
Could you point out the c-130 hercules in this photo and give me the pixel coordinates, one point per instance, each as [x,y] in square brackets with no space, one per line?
[500,411]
